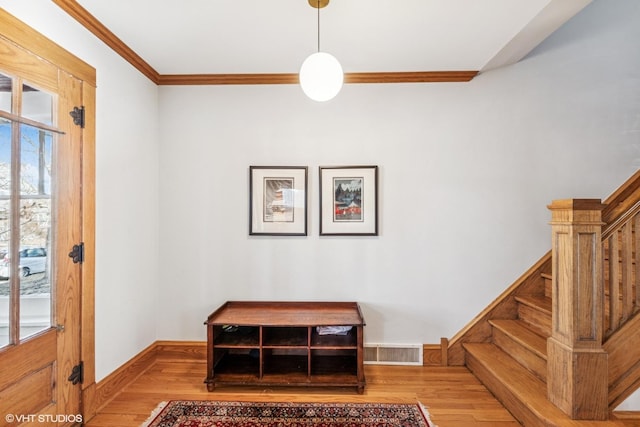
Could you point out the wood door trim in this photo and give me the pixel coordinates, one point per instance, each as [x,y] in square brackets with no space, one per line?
[88,234]
[22,35]
[68,291]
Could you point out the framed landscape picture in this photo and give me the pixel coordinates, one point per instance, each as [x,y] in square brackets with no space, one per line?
[278,200]
[349,201]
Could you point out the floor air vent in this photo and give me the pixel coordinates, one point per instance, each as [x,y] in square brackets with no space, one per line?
[393,354]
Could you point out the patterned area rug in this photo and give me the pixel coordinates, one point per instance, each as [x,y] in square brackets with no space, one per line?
[186,413]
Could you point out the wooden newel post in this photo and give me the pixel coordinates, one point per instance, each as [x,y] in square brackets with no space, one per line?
[577,366]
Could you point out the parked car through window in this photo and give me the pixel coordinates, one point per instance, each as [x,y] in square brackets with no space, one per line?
[32,261]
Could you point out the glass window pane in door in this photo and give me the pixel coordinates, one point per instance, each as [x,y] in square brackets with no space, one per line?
[5,93]
[35,230]
[5,227]
[37,105]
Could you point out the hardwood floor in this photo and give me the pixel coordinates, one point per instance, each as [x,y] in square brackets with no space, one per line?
[453,395]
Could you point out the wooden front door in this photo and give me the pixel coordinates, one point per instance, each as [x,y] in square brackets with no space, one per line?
[40,222]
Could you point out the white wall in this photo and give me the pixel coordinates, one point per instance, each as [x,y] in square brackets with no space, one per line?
[127,221]
[466,173]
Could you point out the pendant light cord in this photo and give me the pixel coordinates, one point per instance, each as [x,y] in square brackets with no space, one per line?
[318,25]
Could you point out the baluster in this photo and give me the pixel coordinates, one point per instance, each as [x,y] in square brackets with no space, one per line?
[614,283]
[636,271]
[606,286]
[627,271]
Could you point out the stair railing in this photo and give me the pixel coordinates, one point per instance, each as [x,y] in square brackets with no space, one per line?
[590,367]
[620,269]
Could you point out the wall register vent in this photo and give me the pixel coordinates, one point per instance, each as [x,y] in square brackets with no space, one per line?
[393,354]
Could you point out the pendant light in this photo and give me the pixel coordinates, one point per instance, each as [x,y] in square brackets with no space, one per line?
[321,75]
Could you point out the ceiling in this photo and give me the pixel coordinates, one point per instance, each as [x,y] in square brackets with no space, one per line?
[251,36]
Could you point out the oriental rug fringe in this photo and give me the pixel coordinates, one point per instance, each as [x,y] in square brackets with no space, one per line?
[187,413]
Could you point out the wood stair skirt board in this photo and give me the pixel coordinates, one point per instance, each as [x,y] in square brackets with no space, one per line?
[393,354]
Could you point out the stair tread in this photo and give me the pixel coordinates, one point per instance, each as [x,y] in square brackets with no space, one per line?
[539,302]
[524,385]
[520,332]
[510,372]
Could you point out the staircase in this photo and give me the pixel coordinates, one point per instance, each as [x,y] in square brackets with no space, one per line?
[506,345]
[513,364]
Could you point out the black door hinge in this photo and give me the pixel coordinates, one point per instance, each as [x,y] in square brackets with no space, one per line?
[77,374]
[78,116]
[77,253]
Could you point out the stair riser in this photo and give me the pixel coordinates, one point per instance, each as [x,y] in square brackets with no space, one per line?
[523,355]
[503,394]
[539,321]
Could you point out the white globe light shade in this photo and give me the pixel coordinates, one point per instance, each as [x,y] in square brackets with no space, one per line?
[321,76]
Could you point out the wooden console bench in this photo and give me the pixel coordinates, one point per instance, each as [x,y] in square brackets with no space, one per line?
[278,344]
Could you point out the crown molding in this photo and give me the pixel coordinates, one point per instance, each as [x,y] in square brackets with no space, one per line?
[229,79]
[87,20]
[410,77]
[292,78]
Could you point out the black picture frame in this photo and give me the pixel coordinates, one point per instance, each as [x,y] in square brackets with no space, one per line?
[349,200]
[278,200]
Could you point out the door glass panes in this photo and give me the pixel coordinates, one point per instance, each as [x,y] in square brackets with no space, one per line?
[35,230]
[5,93]
[37,105]
[5,226]
[26,154]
